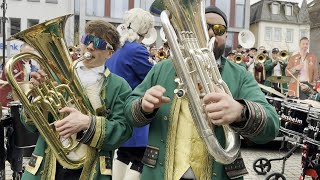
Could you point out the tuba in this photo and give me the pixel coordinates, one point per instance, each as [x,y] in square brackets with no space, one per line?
[48,39]
[192,58]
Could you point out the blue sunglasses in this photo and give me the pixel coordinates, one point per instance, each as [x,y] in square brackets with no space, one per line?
[98,43]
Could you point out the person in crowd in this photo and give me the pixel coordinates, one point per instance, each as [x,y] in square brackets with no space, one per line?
[21,72]
[175,149]
[131,62]
[99,134]
[303,68]
[275,67]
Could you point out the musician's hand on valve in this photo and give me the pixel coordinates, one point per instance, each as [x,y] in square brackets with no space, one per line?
[153,99]
[37,78]
[73,123]
[221,108]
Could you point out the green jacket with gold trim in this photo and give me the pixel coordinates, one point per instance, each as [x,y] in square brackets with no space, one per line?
[242,86]
[112,129]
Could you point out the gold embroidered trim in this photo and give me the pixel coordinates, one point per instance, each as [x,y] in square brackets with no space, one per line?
[33,170]
[97,134]
[49,169]
[103,166]
[169,157]
[103,132]
[89,164]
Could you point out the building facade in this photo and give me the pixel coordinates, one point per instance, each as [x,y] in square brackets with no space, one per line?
[237,11]
[314,13]
[23,14]
[279,24]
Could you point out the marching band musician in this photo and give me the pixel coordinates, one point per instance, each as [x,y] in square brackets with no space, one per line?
[175,150]
[131,62]
[254,66]
[304,67]
[104,132]
[275,67]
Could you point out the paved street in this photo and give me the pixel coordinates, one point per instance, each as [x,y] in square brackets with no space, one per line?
[250,154]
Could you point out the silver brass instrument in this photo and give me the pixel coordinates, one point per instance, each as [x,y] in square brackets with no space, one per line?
[192,58]
[48,40]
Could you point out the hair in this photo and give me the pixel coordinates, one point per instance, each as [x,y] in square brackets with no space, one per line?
[104,30]
[138,22]
[304,38]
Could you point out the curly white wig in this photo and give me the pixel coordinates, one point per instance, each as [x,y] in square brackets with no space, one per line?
[138,22]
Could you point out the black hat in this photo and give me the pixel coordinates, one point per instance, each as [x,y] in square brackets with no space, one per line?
[230,53]
[254,49]
[213,9]
[275,50]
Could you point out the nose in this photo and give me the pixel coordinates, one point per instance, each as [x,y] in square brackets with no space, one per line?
[90,47]
[211,33]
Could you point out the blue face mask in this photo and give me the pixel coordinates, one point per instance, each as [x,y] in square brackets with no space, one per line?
[98,43]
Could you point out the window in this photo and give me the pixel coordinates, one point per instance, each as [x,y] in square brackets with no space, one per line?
[32,22]
[225,6]
[15,25]
[289,35]
[52,1]
[277,34]
[275,8]
[119,7]
[95,8]
[288,9]
[303,33]
[268,34]
[240,10]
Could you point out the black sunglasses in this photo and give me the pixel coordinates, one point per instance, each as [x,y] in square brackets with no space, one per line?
[218,29]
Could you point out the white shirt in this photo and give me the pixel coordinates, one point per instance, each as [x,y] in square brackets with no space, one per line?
[277,69]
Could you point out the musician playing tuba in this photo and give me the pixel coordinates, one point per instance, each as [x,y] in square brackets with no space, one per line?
[100,133]
[176,150]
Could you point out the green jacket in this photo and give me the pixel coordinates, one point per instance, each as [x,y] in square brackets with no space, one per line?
[242,86]
[112,130]
[269,66]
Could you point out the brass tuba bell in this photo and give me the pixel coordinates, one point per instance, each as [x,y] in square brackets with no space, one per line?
[47,39]
[188,38]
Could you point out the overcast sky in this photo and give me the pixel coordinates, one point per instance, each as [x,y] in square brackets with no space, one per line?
[299,1]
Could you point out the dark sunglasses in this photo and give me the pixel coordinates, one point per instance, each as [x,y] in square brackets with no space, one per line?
[98,43]
[218,29]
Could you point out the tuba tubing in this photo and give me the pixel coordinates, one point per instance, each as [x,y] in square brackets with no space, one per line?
[189,58]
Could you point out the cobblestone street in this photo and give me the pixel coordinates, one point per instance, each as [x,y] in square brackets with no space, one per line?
[250,154]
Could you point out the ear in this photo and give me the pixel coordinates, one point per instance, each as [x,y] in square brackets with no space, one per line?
[109,53]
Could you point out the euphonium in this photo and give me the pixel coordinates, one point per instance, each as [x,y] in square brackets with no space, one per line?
[192,58]
[48,39]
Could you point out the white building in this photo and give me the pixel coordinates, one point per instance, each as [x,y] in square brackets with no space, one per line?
[279,24]
[23,14]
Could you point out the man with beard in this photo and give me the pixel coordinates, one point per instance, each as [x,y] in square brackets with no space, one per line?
[175,149]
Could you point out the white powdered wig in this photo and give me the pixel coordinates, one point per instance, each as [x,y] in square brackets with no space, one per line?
[137,21]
